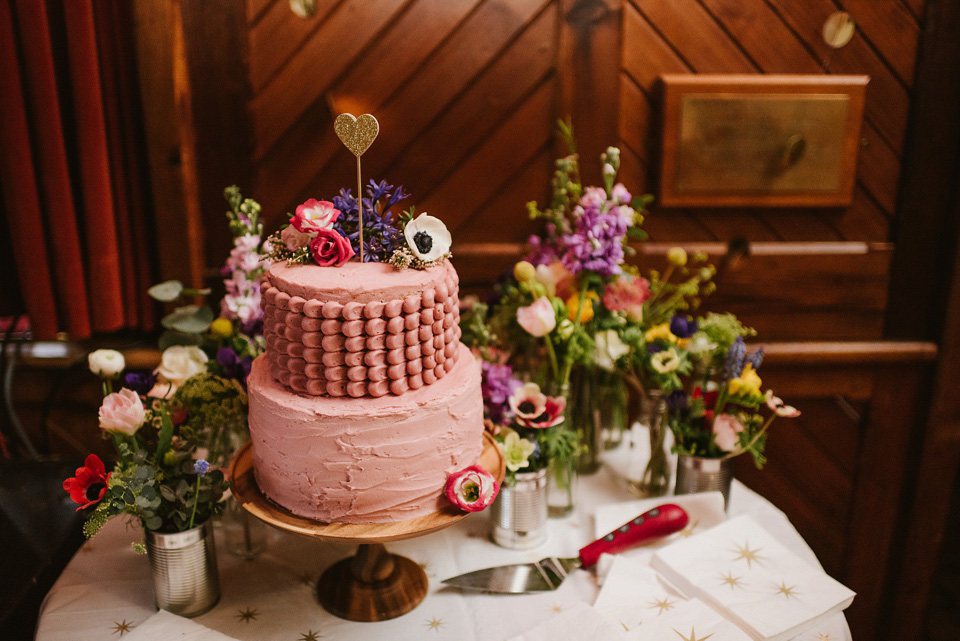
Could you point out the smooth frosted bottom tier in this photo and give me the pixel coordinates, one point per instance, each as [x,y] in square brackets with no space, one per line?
[364,460]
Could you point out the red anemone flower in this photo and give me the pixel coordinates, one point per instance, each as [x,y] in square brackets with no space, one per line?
[90,483]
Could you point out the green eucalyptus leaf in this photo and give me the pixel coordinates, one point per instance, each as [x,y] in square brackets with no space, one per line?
[166,291]
[153,522]
[189,319]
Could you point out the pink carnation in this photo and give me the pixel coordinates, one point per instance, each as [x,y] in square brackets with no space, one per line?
[472,489]
[330,249]
[627,295]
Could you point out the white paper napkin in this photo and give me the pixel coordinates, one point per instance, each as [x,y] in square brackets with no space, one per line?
[579,622]
[164,626]
[650,609]
[753,580]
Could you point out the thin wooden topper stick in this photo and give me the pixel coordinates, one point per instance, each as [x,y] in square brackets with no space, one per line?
[360,207]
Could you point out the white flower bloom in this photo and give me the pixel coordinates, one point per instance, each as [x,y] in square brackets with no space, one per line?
[427,237]
[180,362]
[666,361]
[106,363]
[699,344]
[608,348]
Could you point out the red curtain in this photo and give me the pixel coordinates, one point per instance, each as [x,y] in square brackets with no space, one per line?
[73,177]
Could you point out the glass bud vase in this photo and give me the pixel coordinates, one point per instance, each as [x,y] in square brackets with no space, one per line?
[585,416]
[655,478]
[561,487]
[244,535]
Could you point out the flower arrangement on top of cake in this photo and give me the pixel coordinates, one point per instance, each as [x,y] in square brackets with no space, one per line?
[328,233]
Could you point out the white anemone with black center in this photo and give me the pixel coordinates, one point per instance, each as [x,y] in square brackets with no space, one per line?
[428,238]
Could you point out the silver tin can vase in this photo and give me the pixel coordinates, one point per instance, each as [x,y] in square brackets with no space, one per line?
[519,513]
[695,474]
[184,569]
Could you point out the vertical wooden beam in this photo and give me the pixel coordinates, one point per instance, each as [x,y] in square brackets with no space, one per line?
[589,66]
[215,57]
[153,24]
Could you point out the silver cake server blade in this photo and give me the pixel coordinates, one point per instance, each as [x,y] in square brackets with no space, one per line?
[547,574]
[524,578]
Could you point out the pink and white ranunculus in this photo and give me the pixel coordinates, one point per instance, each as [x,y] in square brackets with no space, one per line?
[532,408]
[330,249]
[539,318]
[779,407]
[726,432]
[180,362]
[472,489]
[314,215]
[295,239]
[122,413]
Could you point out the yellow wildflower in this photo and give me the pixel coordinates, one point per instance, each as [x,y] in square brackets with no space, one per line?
[660,332]
[573,304]
[747,384]
[222,327]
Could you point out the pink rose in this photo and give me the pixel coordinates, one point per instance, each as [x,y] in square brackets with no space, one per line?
[330,249]
[538,319]
[726,432]
[472,489]
[122,413]
[295,239]
[315,215]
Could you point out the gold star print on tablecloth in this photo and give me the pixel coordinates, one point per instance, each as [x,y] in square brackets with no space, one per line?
[788,591]
[310,635]
[662,605]
[556,608]
[729,579]
[433,623]
[122,627]
[824,637]
[744,552]
[247,614]
[693,636]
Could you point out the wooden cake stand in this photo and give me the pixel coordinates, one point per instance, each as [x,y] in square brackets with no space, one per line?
[372,585]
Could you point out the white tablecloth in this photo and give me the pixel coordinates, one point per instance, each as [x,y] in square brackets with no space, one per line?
[106,588]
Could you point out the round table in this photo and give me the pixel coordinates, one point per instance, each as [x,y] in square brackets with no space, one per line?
[106,590]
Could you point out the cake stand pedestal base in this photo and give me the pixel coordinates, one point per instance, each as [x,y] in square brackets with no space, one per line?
[372,585]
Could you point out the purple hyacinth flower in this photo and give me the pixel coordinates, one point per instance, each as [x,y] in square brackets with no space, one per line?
[733,366]
[200,467]
[756,358]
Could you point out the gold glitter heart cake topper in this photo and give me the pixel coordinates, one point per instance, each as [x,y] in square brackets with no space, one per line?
[357,134]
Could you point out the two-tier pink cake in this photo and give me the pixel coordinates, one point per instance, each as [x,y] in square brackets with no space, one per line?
[365,400]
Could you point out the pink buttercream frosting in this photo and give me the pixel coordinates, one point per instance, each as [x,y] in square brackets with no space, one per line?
[370,460]
[396,325]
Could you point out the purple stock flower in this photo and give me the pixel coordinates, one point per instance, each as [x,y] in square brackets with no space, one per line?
[140,382]
[756,358]
[233,366]
[733,366]
[683,327]
[596,243]
[653,348]
[498,385]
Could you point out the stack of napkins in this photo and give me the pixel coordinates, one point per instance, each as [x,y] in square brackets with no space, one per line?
[648,609]
[577,623]
[752,580]
[164,626]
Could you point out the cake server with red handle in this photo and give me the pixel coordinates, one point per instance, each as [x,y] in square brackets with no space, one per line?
[547,574]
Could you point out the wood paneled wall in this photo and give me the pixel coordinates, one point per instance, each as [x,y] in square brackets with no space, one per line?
[468,93]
